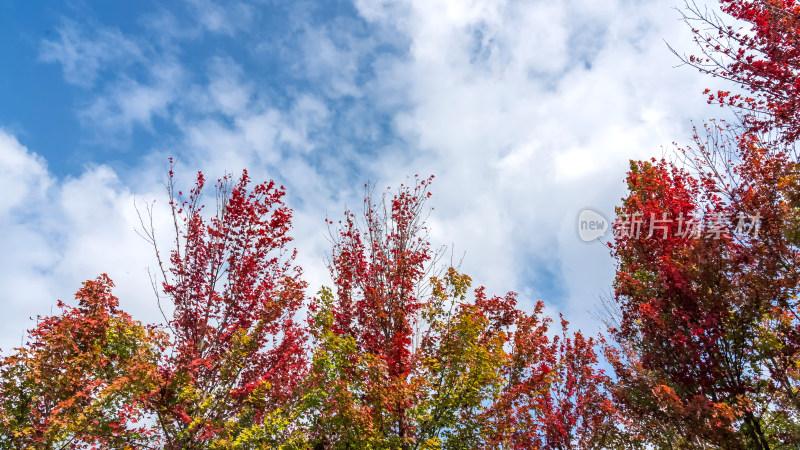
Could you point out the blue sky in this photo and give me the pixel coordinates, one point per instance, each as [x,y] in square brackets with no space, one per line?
[68,66]
[526,111]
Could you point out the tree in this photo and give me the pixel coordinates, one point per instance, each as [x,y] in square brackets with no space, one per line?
[708,324]
[554,395]
[764,59]
[404,356]
[378,272]
[707,288]
[674,313]
[82,379]
[237,352]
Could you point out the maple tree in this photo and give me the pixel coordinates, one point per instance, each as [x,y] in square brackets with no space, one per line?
[675,314]
[759,53]
[83,378]
[707,312]
[555,396]
[401,355]
[404,357]
[708,324]
[237,353]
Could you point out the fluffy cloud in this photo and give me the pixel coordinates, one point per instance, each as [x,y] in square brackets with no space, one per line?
[57,233]
[525,111]
[23,176]
[528,112]
[129,103]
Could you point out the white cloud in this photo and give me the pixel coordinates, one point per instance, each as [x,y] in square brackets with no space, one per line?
[83,55]
[527,112]
[23,176]
[223,19]
[58,233]
[24,182]
[128,103]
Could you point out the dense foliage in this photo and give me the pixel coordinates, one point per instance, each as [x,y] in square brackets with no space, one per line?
[402,352]
[707,249]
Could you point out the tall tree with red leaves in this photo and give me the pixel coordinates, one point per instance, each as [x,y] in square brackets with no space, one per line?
[238,353]
[405,357]
[708,316]
[378,272]
[707,288]
[555,396]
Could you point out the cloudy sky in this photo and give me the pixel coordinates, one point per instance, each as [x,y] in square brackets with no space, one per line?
[525,111]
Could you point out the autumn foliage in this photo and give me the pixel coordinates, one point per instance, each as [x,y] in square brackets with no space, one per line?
[756,48]
[237,354]
[82,379]
[706,330]
[422,362]
[401,353]
[404,352]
